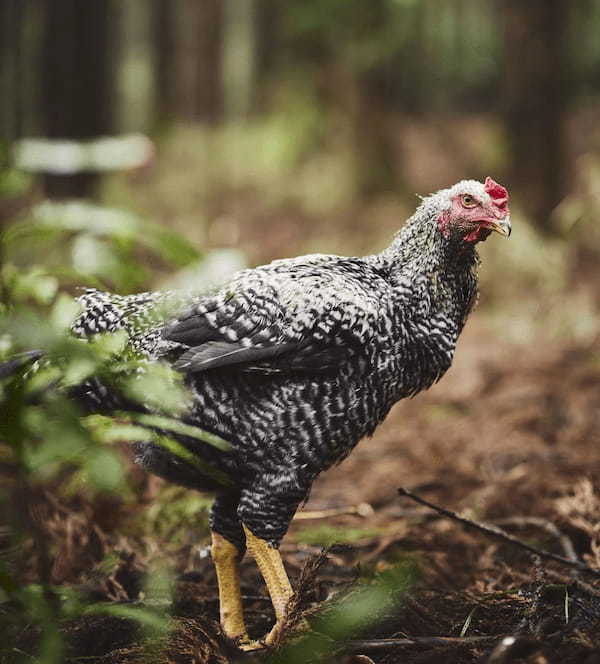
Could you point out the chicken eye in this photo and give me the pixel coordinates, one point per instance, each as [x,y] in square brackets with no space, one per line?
[468,201]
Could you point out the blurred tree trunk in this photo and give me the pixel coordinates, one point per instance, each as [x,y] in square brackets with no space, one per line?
[11,104]
[239,57]
[535,96]
[164,38]
[268,49]
[134,76]
[76,82]
[376,165]
[375,168]
[199,94]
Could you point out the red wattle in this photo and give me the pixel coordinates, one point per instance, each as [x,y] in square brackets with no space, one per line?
[473,236]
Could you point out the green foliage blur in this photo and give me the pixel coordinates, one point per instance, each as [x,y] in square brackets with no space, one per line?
[350,614]
[44,439]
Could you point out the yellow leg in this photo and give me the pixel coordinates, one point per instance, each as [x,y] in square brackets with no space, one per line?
[271,567]
[226,557]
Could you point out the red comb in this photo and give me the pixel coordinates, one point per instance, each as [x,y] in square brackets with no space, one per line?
[497,193]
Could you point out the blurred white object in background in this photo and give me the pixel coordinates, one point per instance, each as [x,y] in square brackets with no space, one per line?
[66,157]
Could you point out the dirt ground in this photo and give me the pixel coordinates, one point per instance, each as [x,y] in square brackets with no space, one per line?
[511,436]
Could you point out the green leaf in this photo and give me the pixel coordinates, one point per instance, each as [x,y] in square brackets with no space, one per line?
[177,449]
[348,616]
[108,345]
[43,378]
[63,313]
[58,437]
[176,426]
[36,284]
[142,615]
[104,469]
[116,433]
[78,369]
[158,387]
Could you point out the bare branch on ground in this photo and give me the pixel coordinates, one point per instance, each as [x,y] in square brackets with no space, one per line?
[498,534]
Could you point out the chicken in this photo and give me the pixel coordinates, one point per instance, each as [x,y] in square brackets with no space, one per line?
[294,362]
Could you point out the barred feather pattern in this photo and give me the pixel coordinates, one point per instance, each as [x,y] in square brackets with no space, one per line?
[296,361]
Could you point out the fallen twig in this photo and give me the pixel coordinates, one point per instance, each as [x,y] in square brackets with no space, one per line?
[501,535]
[371,645]
[544,524]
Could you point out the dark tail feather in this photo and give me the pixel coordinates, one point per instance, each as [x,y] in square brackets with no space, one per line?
[18,362]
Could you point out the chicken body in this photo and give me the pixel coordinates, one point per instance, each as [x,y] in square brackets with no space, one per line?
[294,362]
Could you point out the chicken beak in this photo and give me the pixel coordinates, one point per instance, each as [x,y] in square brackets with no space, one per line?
[501,226]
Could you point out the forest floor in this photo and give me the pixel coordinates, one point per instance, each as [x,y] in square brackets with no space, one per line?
[509,437]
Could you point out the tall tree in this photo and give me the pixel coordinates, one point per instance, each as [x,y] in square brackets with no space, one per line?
[11,12]
[239,56]
[535,59]
[164,39]
[76,81]
[199,64]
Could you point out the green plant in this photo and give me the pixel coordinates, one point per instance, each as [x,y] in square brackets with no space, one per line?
[45,441]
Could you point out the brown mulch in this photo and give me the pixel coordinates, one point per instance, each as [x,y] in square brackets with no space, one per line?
[510,436]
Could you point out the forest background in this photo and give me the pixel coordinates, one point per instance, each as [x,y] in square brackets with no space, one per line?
[146,144]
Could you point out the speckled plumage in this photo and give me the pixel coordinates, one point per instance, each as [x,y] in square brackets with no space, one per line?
[296,361]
